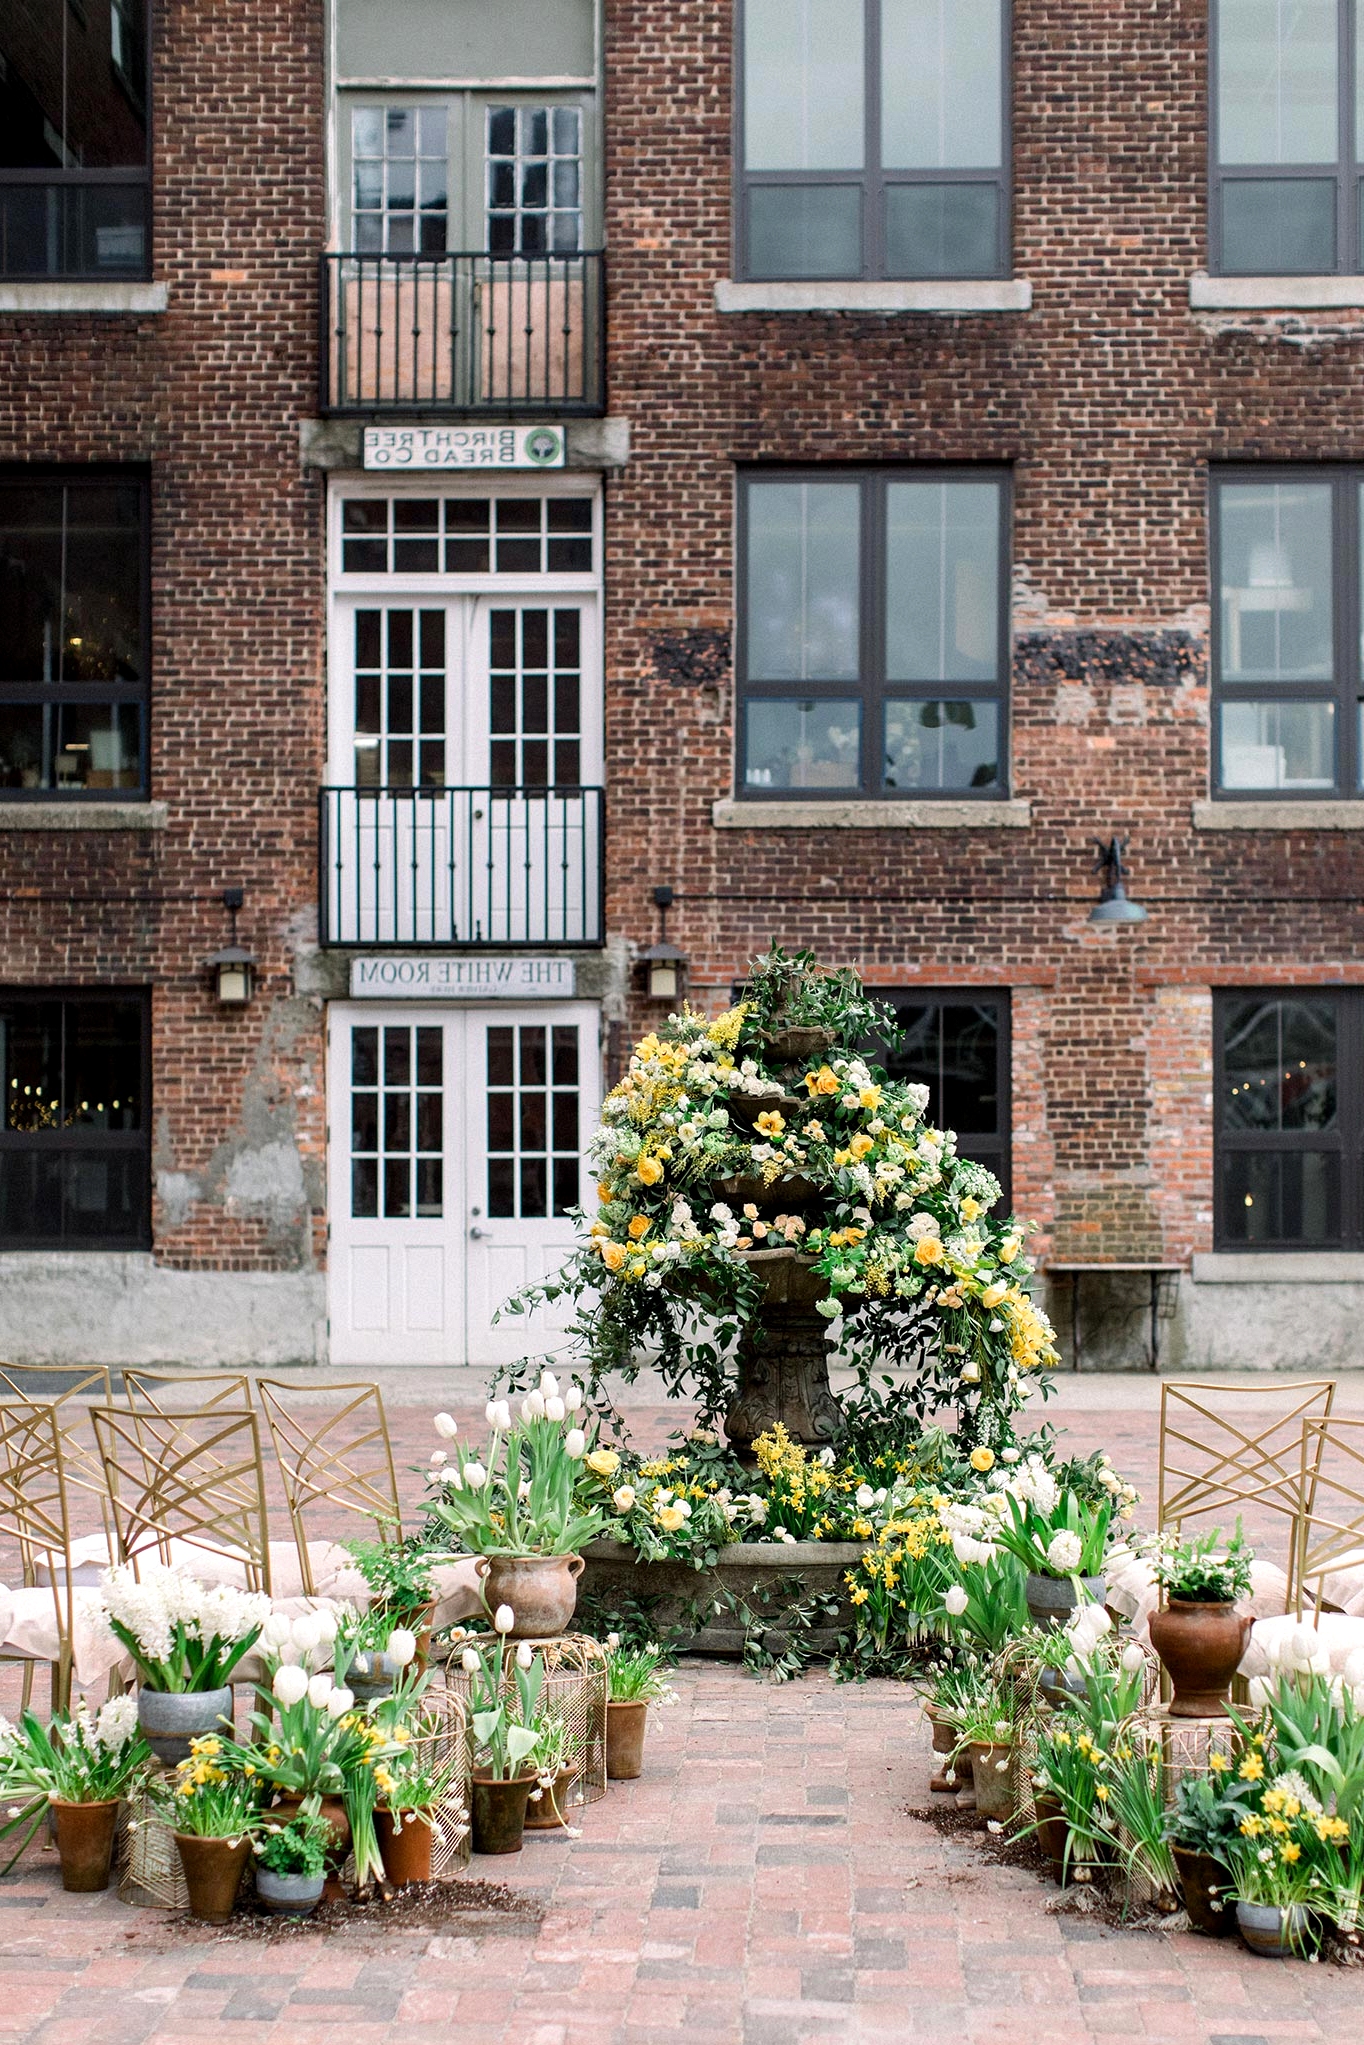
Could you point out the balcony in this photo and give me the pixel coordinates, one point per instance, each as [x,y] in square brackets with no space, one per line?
[461,866]
[465,335]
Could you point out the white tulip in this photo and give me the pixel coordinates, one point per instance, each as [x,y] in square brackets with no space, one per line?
[504,1619]
[497,1413]
[326,1627]
[287,1655]
[575,1443]
[290,1685]
[573,1399]
[307,1632]
[470,1662]
[402,1646]
[1353,1668]
[549,1385]
[475,1476]
[1132,1658]
[319,1690]
[276,1630]
[865,1497]
[533,1406]
[555,1409]
[438,1456]
[340,1702]
[956,1601]
[446,1426]
[524,1655]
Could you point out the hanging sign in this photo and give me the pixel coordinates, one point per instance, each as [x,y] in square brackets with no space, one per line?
[398,976]
[418,448]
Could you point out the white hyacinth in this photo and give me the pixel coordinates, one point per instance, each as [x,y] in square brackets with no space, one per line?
[1063,1552]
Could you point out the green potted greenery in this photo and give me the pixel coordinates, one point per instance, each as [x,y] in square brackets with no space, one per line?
[1136,1809]
[1201,1826]
[414,1788]
[291,1861]
[213,1813]
[986,1737]
[1060,1539]
[79,1767]
[401,1598]
[556,1771]
[504,1698]
[1198,1633]
[636,1677]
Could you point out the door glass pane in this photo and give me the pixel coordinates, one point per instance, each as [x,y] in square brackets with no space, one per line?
[532,1127]
[534,180]
[535,696]
[803,85]
[942,230]
[1281,1197]
[941,84]
[397,1122]
[1275,574]
[1276,81]
[802,744]
[942,582]
[1278,745]
[400,693]
[803,549]
[1279,227]
[1279,1065]
[804,231]
[942,745]
[400,179]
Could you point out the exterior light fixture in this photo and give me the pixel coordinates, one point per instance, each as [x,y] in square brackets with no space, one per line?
[1113,905]
[233,968]
[664,965]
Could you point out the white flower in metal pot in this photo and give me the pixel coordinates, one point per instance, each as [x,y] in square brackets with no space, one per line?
[1063,1552]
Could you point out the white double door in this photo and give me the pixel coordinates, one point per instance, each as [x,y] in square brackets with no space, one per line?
[455,1154]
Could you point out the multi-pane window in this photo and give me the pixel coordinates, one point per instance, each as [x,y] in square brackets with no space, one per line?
[400,170]
[75,1141]
[1286,643]
[1288,100]
[533,164]
[1290,1120]
[73,139]
[73,648]
[397,1109]
[533,1163]
[957,1045]
[872,644]
[400,698]
[466,535]
[873,138]
[535,707]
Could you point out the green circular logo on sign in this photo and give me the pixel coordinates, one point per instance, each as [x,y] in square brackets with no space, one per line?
[544,447]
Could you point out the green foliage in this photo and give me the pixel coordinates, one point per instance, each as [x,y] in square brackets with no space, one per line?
[297,1847]
[1201,1571]
[398,1574]
[1207,1810]
[1069,1539]
[637,1675]
[791,990]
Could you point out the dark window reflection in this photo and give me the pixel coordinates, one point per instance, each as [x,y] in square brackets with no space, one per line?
[957,1048]
[74,1130]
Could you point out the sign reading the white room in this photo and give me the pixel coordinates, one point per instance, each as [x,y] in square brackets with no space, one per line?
[402,976]
[415,448]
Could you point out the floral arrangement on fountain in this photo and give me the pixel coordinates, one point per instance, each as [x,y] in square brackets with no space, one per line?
[768,1135]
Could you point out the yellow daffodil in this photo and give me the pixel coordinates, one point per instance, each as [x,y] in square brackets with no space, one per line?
[771,1123]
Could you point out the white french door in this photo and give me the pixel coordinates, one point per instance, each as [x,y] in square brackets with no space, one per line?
[455,1155]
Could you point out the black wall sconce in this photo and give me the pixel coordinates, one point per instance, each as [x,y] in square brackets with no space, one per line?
[664,965]
[233,968]
[1113,905]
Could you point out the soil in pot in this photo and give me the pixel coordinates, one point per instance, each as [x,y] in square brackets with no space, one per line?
[499,1811]
[542,1591]
[213,1873]
[1052,1599]
[85,1841]
[1201,1646]
[550,1813]
[289,1895]
[334,1811]
[406,1850]
[992,1768]
[170,1719]
[1203,1880]
[625,1723]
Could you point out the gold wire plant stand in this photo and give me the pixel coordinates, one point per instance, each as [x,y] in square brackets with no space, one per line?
[575,1690]
[1185,1745]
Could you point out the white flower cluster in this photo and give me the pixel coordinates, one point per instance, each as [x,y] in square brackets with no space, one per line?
[153,1606]
[1301,1651]
[969,1527]
[292,1643]
[106,1731]
[1064,1552]
[1032,1483]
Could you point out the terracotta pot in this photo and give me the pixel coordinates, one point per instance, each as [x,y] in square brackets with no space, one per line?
[334,1811]
[1201,1646]
[168,1720]
[499,1811]
[992,1768]
[1052,1599]
[1203,1880]
[944,1743]
[85,1841]
[213,1873]
[406,1852]
[1273,1933]
[542,1590]
[289,1895]
[625,1724]
[1051,1834]
[550,1814]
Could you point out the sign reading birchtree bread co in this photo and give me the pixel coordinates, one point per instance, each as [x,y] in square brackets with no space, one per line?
[399,976]
[414,448]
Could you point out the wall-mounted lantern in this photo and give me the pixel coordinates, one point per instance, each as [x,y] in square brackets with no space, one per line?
[664,965]
[1113,905]
[233,968]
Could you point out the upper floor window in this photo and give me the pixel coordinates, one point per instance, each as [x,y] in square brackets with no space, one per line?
[475,173]
[1290,1120]
[73,653]
[872,645]
[1286,641]
[73,139]
[873,139]
[1287,102]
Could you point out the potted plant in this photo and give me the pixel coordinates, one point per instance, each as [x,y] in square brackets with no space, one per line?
[556,1771]
[213,1813]
[1275,1883]
[504,1696]
[1198,1633]
[636,1677]
[79,1768]
[950,1698]
[1201,1825]
[517,1509]
[412,1792]
[1135,1808]
[987,1743]
[1060,1539]
[185,1641]
[402,1598]
[307,1736]
[291,1859]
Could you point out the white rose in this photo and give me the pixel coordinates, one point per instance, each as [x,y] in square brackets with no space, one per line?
[290,1685]
[624,1499]
[446,1426]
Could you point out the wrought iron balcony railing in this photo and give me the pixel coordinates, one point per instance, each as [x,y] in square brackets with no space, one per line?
[461,866]
[463,334]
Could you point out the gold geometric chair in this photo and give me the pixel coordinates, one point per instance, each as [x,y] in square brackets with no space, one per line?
[340,1459]
[69,1388]
[1330,1568]
[208,1389]
[187,1490]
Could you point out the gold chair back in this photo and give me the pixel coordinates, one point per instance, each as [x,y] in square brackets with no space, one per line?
[210,1389]
[1331,1534]
[190,1478]
[67,1388]
[341,1457]
[35,1517]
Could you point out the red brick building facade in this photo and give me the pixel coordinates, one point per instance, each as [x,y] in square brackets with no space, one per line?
[1114,371]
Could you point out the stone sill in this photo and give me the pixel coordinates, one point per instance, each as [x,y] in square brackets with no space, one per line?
[82,296]
[82,816]
[1274,294]
[339,444]
[1278,816]
[947,296]
[1279,1267]
[730,814]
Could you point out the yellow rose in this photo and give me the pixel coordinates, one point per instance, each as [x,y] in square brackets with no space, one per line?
[843,1157]
[1008,1249]
[860,1145]
[825,1081]
[993,1294]
[640,1226]
[650,1171]
[605,1192]
[969,1208]
[612,1254]
[670,1518]
[981,1459]
[928,1250]
[604,1462]
[771,1123]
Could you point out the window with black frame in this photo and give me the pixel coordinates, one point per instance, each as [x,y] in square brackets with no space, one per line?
[73,652]
[873,139]
[1288,125]
[957,1045]
[1287,679]
[1290,1120]
[872,648]
[75,1141]
[74,175]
